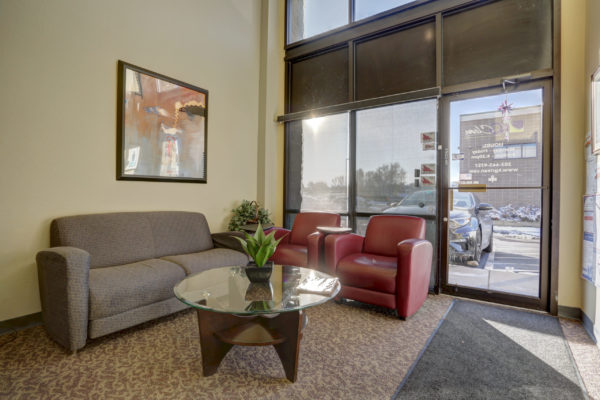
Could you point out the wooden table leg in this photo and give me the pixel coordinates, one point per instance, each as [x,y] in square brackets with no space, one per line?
[290,325]
[213,349]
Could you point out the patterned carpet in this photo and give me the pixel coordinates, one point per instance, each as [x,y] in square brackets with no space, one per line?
[586,355]
[348,352]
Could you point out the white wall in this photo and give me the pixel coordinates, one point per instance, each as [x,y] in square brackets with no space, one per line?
[58,100]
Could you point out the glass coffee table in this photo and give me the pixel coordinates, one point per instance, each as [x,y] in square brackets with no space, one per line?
[233,311]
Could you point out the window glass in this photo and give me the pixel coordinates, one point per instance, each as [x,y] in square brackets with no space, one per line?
[324,182]
[310,17]
[513,151]
[366,8]
[319,81]
[499,153]
[396,159]
[501,38]
[486,143]
[397,62]
[529,150]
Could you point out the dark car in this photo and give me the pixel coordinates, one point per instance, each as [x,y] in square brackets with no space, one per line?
[470,228]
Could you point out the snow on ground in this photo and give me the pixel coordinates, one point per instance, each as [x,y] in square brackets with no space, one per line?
[518,232]
[510,213]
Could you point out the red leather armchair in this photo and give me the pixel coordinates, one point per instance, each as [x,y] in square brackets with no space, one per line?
[303,245]
[390,266]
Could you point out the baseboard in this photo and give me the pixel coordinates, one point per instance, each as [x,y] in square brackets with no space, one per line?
[20,323]
[588,325]
[570,312]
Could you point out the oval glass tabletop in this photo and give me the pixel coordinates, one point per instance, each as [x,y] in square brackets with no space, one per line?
[228,290]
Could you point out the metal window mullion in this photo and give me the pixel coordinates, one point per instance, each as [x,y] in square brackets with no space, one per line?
[352,172]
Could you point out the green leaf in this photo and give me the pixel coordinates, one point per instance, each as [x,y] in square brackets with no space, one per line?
[244,245]
[271,252]
[260,234]
[262,255]
[253,247]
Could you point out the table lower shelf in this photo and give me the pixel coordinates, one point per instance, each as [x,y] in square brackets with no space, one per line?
[220,332]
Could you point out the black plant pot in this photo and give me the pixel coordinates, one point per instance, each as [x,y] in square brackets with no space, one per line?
[259,274]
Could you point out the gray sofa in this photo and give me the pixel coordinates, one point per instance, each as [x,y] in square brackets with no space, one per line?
[107,272]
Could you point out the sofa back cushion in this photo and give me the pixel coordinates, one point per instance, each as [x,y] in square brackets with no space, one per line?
[178,232]
[122,238]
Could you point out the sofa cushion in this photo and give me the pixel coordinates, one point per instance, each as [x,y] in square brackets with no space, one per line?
[213,258]
[179,232]
[111,239]
[117,289]
[368,271]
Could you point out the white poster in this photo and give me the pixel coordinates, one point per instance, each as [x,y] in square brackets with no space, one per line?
[592,168]
[591,245]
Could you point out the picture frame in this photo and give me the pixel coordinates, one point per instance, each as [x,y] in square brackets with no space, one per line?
[595,88]
[162,127]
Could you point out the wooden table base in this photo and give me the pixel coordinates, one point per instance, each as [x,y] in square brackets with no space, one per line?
[220,332]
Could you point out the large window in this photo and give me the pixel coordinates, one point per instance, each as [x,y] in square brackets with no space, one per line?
[377,70]
[325,164]
[366,8]
[308,18]
[390,154]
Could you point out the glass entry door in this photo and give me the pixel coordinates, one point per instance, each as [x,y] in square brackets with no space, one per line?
[496,191]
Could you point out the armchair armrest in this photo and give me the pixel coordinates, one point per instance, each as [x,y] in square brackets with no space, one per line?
[279,232]
[63,274]
[315,242]
[226,241]
[412,278]
[338,246]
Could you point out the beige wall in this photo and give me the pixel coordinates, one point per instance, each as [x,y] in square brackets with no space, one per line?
[58,80]
[271,133]
[572,128]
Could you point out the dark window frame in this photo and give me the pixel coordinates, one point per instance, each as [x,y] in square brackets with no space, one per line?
[415,13]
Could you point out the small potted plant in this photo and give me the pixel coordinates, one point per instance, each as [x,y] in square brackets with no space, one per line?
[249,212]
[260,248]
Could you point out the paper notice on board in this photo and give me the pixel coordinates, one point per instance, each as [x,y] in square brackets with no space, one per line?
[592,169]
[589,263]
[591,245]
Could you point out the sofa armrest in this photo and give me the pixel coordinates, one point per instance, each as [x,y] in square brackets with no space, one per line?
[279,232]
[315,242]
[412,277]
[226,240]
[63,275]
[338,246]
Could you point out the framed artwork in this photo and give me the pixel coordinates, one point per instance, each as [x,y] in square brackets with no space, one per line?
[596,112]
[161,129]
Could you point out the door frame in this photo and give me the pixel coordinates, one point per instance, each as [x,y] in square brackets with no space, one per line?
[543,302]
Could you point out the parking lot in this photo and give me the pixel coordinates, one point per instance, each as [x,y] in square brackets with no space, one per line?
[512,267]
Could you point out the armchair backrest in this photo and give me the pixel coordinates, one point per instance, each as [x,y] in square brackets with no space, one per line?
[307,222]
[384,232]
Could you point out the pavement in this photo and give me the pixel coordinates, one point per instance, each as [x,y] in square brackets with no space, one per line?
[513,267]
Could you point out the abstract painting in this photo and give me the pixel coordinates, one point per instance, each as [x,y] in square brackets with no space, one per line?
[162,127]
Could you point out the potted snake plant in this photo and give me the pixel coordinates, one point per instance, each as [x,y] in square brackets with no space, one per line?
[260,248]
